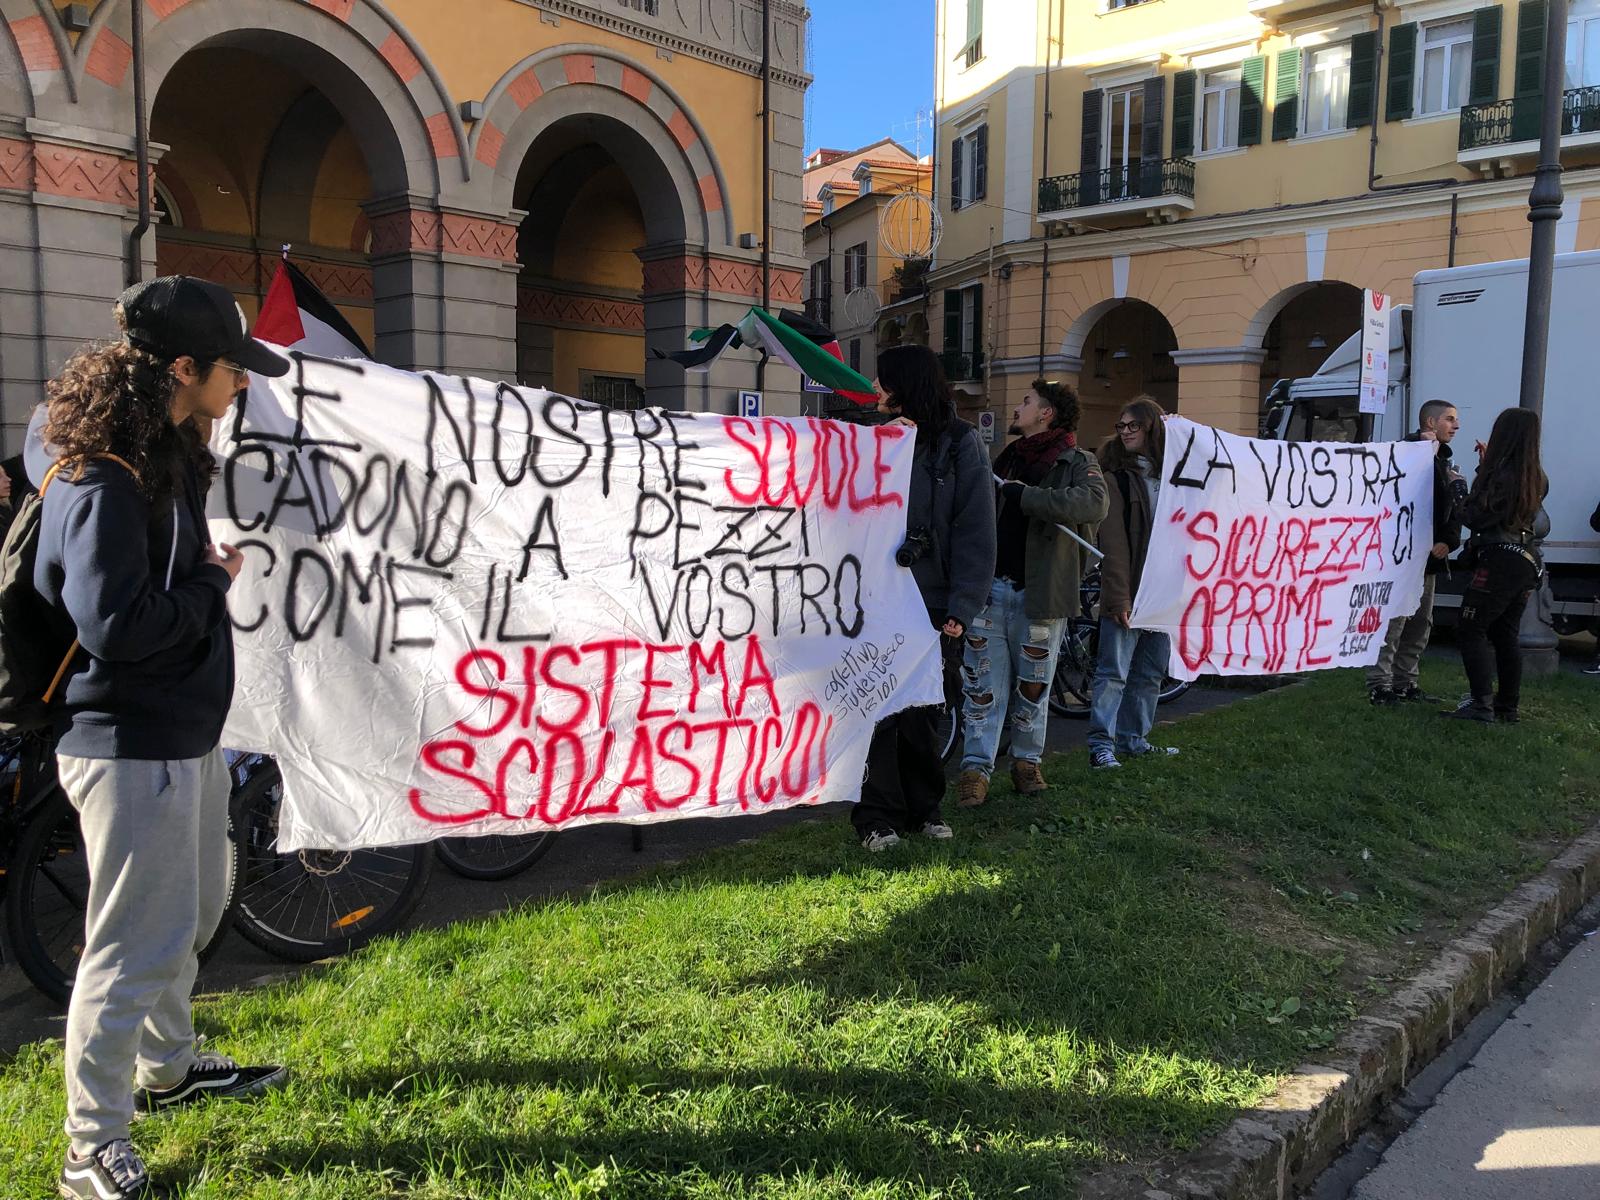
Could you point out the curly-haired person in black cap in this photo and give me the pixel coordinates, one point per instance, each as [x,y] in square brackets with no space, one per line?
[126,564]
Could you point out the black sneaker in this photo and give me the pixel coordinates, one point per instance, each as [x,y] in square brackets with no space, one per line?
[113,1172]
[213,1075]
[1593,668]
[1471,710]
[1381,697]
[1507,716]
[1415,695]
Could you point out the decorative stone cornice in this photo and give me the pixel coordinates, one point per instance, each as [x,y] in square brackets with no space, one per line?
[1213,355]
[1054,364]
[681,43]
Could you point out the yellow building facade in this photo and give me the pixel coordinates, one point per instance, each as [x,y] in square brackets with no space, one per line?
[540,190]
[861,244]
[1186,197]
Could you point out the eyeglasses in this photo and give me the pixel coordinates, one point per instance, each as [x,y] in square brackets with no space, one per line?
[240,374]
[1127,426]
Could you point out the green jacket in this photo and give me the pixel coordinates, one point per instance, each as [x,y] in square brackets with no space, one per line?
[1072,493]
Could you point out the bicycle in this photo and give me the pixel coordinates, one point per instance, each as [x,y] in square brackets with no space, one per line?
[314,904]
[1072,686]
[46,880]
[494,855]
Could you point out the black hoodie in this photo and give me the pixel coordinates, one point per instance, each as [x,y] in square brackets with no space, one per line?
[154,676]
[1449,496]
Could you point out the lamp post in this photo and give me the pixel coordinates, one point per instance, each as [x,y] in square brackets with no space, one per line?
[1537,636]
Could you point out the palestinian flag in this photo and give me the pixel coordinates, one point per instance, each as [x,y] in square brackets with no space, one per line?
[298,315]
[792,338]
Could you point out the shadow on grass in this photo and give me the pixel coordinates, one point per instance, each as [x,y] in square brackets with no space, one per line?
[860,1124]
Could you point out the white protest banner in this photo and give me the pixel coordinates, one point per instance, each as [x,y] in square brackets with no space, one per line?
[1376,311]
[473,608]
[1269,557]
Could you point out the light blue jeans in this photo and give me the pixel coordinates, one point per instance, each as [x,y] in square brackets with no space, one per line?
[1127,685]
[1004,651]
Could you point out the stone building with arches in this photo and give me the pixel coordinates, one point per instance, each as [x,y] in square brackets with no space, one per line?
[538,190]
[1187,199]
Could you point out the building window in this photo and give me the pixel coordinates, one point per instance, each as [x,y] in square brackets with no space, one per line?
[613,391]
[1446,67]
[969,167]
[1113,5]
[855,267]
[1123,140]
[855,354]
[1583,49]
[972,49]
[1327,91]
[647,7]
[827,203]
[865,180]
[1219,109]
[821,306]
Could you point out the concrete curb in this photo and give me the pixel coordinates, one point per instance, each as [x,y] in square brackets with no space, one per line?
[1273,1151]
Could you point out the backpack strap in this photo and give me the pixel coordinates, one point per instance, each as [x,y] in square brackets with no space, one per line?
[44,486]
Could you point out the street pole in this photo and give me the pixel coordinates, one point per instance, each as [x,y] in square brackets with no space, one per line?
[1538,639]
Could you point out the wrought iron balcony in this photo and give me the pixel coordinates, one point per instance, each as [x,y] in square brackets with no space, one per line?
[1156,184]
[962,367]
[1488,128]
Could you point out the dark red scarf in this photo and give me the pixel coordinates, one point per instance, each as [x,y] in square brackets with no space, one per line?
[1029,459]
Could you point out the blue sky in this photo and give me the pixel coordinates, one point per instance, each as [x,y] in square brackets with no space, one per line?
[873,65]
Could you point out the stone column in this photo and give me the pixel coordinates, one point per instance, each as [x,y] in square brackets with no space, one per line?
[444,284]
[1221,386]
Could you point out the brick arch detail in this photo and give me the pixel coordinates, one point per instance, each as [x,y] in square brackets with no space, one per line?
[508,130]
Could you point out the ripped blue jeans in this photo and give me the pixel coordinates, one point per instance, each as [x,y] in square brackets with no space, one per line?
[1007,664]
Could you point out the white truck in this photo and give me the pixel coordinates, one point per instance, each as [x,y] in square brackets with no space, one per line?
[1461,340]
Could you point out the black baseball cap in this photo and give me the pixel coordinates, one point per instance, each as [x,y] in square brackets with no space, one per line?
[179,314]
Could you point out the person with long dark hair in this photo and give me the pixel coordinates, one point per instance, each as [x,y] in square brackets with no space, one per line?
[1503,510]
[1133,662]
[126,565]
[949,547]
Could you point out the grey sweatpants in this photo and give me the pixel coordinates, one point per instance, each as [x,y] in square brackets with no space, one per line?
[156,836]
[1407,637]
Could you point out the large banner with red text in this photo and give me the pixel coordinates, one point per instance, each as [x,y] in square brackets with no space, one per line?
[473,608]
[1276,557]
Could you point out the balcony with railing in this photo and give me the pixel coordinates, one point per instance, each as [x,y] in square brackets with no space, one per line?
[1506,129]
[962,366]
[1162,188]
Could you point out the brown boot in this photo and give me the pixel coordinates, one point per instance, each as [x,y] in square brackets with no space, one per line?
[972,789]
[1027,778]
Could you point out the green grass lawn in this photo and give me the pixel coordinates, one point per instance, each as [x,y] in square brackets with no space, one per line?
[1112,969]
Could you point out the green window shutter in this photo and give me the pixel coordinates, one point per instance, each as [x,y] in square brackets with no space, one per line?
[1151,136]
[952,319]
[1402,102]
[1363,106]
[1528,85]
[1484,87]
[1286,97]
[956,165]
[980,163]
[1089,148]
[976,349]
[974,23]
[1183,90]
[1252,93]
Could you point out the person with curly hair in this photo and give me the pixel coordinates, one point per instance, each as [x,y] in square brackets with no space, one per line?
[126,565]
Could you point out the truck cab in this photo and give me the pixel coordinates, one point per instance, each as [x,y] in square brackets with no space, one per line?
[1324,407]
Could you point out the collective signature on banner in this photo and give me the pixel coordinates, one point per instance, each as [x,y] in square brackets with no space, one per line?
[1269,557]
[470,607]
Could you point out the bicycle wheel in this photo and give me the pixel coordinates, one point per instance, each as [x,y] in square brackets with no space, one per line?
[47,893]
[316,903]
[1172,688]
[1072,686]
[494,855]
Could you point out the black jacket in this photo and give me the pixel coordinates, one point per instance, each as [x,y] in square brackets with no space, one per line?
[952,497]
[154,677]
[1449,503]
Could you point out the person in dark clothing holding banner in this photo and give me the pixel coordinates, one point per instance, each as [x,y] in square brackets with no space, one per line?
[949,548]
[1049,485]
[126,564]
[1504,510]
[1133,662]
[1393,678]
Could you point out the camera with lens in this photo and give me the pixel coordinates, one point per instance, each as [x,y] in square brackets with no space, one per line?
[914,547]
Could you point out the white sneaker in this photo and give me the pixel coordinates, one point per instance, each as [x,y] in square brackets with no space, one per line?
[1162,751]
[880,840]
[938,831]
[1102,760]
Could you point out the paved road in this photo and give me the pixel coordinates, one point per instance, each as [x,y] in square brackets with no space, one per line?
[1522,1120]
[579,860]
